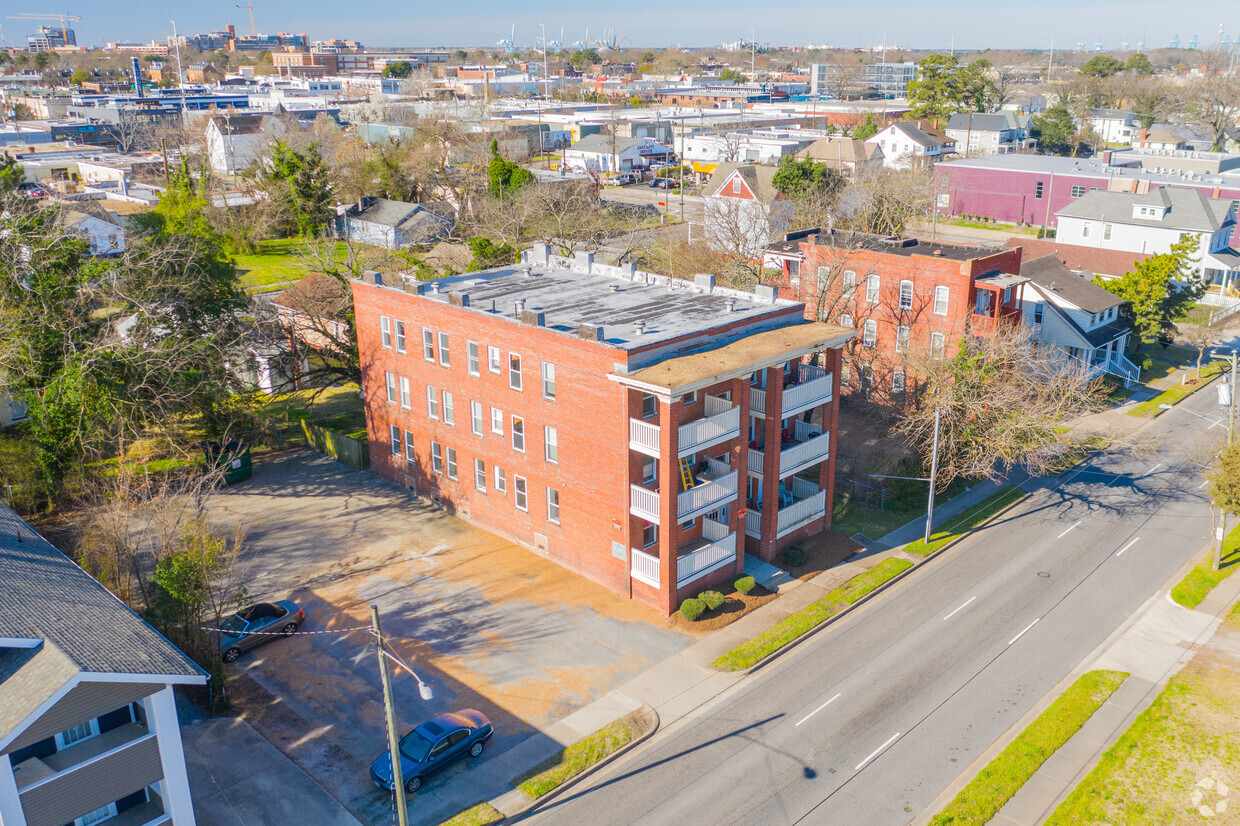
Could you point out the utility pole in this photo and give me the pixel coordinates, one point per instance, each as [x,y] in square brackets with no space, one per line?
[180,76]
[682,169]
[398,781]
[1231,412]
[934,472]
[753,49]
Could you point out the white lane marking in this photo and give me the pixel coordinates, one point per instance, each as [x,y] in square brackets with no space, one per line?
[961,608]
[820,708]
[877,752]
[1022,633]
[1129,545]
[1151,470]
[1069,530]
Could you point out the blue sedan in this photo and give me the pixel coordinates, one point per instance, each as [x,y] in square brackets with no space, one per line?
[432,747]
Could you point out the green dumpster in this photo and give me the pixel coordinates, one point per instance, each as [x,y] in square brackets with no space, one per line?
[233,456]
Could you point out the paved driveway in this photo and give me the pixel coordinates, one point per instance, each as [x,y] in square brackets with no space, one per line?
[487,624]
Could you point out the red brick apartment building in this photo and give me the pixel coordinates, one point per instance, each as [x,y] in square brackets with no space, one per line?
[908,299]
[645,432]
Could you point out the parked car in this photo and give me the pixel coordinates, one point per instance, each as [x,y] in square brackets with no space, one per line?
[622,179]
[258,624]
[31,190]
[662,183]
[432,747]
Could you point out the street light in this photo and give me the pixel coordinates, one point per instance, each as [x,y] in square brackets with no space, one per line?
[934,472]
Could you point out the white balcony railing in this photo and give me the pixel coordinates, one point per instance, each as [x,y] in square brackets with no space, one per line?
[643,567]
[757,400]
[753,523]
[800,513]
[808,394]
[644,503]
[713,531]
[799,457]
[710,430]
[644,437]
[703,561]
[803,489]
[706,497]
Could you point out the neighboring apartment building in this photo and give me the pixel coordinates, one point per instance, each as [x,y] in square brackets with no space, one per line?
[88,724]
[710,148]
[645,432]
[999,133]
[907,145]
[908,299]
[1152,222]
[1114,125]
[885,80]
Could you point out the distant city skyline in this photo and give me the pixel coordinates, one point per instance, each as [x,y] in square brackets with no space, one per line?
[388,23]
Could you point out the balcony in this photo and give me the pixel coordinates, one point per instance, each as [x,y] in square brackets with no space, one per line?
[986,325]
[716,549]
[812,388]
[714,490]
[808,447]
[644,567]
[644,503]
[803,503]
[33,770]
[721,423]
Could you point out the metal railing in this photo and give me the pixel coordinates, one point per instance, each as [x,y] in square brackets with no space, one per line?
[706,497]
[691,566]
[806,453]
[644,503]
[643,567]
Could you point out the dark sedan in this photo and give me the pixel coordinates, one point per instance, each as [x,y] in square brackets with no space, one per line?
[258,624]
[432,747]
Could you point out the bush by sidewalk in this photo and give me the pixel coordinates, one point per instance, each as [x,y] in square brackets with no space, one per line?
[966,521]
[811,616]
[1197,584]
[994,785]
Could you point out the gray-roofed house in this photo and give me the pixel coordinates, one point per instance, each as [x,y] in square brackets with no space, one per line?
[88,725]
[1151,222]
[998,133]
[911,145]
[743,212]
[848,155]
[101,227]
[1071,316]
[393,225]
[607,154]
[235,142]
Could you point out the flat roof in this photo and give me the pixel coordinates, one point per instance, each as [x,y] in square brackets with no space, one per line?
[1084,167]
[863,242]
[609,302]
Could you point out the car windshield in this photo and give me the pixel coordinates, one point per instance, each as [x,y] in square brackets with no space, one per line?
[233,623]
[414,746]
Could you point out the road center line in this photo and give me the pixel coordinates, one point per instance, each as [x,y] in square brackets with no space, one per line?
[1151,470]
[877,751]
[1022,633]
[1129,545]
[961,608]
[820,708]
[1065,533]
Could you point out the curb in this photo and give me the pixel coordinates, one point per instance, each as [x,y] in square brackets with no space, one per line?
[917,565]
[646,711]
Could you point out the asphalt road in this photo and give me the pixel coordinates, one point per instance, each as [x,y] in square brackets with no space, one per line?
[872,719]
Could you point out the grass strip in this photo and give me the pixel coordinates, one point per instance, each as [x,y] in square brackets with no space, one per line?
[483,814]
[1174,395]
[994,785]
[966,521]
[573,760]
[753,651]
[1197,584]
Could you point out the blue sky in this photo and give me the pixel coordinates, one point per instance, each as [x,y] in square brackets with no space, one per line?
[973,23]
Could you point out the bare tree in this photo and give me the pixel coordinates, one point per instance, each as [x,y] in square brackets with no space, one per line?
[1213,103]
[882,201]
[1202,327]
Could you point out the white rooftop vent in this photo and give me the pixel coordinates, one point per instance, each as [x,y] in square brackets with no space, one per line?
[639,327]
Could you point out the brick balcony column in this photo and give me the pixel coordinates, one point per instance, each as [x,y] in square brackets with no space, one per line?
[830,424]
[669,487]
[770,461]
[740,461]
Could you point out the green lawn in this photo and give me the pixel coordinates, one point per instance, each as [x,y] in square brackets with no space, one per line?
[340,406]
[851,516]
[573,760]
[994,785]
[1177,393]
[966,521]
[483,814]
[278,261]
[753,651]
[1197,584]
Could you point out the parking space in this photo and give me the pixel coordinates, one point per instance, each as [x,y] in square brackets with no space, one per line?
[487,624]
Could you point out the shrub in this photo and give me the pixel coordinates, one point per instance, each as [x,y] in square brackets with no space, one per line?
[691,609]
[794,556]
[745,584]
[711,599]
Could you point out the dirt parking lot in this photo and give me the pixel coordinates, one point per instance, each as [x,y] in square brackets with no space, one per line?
[487,624]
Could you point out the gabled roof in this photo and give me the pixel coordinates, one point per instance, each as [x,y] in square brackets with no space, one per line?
[759,179]
[250,124]
[395,213]
[987,121]
[1051,277]
[1187,209]
[841,150]
[917,134]
[1080,259]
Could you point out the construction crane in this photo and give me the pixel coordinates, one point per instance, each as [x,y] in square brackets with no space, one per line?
[610,41]
[65,20]
[250,5]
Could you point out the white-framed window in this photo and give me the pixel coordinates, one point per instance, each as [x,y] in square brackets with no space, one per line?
[941,295]
[650,405]
[548,380]
[553,505]
[520,493]
[493,360]
[1106,232]
[475,418]
[389,379]
[501,480]
[518,434]
[436,458]
[385,332]
[480,475]
[897,381]
[823,274]
[451,463]
[869,333]
[650,469]
[846,320]
[449,408]
[78,733]
[902,338]
[432,402]
[497,421]
[1084,229]
[937,342]
[850,283]
[406,401]
[650,534]
[428,344]
[1037,312]
[97,816]
[394,437]
[1007,295]
[400,336]
[409,452]
[445,359]
[551,443]
[514,371]
[1078,191]
[983,301]
[736,186]
[471,355]
[906,295]
[871,289]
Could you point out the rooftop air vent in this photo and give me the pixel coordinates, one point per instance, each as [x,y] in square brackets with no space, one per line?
[730,304]
[639,327]
[520,305]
